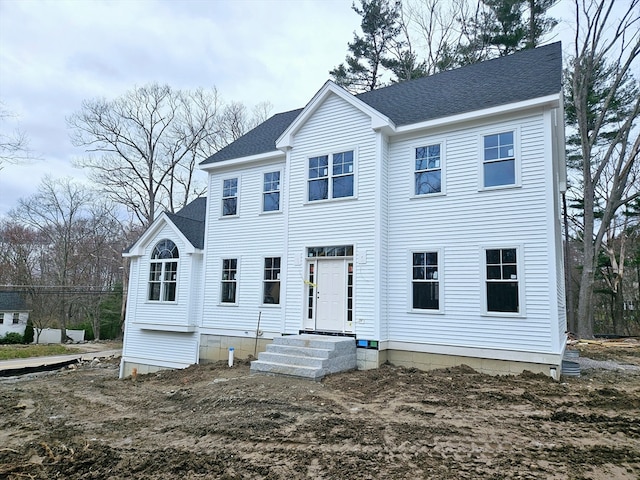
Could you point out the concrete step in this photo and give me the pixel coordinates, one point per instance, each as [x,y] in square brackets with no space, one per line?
[259,366]
[338,344]
[307,356]
[298,351]
[298,360]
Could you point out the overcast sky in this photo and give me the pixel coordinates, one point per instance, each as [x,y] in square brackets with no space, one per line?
[55,54]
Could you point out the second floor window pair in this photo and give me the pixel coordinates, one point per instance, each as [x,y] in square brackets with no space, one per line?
[498,164]
[270,194]
[331,176]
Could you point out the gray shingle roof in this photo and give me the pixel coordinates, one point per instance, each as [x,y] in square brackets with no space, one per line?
[12,302]
[522,76]
[190,221]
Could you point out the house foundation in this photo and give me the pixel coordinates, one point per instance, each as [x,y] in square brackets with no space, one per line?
[214,348]
[371,359]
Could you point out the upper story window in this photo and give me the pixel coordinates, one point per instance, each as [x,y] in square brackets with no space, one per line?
[230,197]
[331,176]
[428,170]
[271,192]
[16,318]
[502,280]
[163,272]
[499,161]
[425,281]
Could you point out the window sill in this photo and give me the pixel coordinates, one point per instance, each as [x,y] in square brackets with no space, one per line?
[161,302]
[226,304]
[223,217]
[499,187]
[272,212]
[427,195]
[270,305]
[330,200]
[166,327]
[425,311]
[503,315]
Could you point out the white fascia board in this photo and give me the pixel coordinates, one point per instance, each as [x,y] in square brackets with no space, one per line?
[378,121]
[137,248]
[233,162]
[547,101]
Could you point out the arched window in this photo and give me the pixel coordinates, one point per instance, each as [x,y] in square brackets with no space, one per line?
[163,273]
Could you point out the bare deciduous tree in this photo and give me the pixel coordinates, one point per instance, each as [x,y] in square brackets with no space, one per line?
[78,253]
[603,106]
[14,145]
[144,146]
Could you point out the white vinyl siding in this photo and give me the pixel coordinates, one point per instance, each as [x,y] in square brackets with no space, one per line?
[336,126]
[465,221]
[249,238]
[178,312]
[150,327]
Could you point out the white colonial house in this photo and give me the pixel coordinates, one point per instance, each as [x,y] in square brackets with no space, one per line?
[421,219]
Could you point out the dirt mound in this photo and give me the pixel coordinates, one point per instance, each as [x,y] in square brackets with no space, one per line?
[211,421]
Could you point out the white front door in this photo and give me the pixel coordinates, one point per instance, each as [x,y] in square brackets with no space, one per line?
[331,305]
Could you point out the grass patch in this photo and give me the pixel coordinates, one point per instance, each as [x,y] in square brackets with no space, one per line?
[8,352]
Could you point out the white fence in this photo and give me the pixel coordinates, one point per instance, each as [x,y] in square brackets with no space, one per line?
[52,335]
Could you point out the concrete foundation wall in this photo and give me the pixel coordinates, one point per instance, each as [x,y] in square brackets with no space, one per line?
[142,369]
[214,348]
[369,359]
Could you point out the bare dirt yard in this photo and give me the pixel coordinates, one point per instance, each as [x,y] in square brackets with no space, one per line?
[211,421]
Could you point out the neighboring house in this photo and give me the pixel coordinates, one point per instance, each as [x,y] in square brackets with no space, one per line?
[13,313]
[422,218]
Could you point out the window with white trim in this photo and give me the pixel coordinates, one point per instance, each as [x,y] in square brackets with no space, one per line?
[229,283]
[502,280]
[163,272]
[16,318]
[271,192]
[499,160]
[425,281]
[271,282]
[428,170]
[331,176]
[230,197]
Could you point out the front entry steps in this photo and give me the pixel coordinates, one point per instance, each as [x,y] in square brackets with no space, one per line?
[307,356]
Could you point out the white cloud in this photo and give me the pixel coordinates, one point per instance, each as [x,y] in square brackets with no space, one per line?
[55,54]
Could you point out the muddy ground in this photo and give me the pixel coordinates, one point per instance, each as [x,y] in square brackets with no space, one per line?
[211,421]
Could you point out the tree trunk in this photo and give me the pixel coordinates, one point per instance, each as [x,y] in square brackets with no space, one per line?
[585,306]
[571,315]
[618,311]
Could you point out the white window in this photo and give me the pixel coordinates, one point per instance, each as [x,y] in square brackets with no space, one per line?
[428,170]
[499,160]
[16,318]
[230,197]
[502,281]
[425,281]
[271,282]
[331,176]
[229,282]
[163,272]
[271,192]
